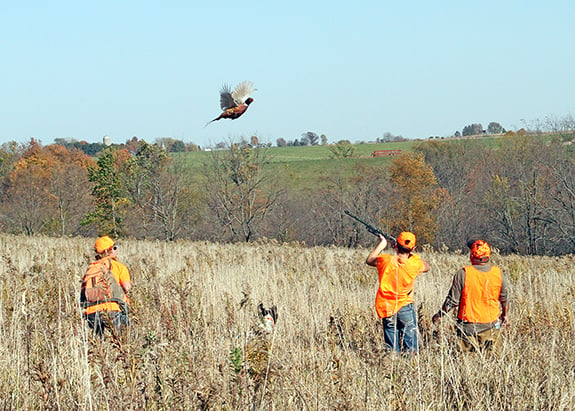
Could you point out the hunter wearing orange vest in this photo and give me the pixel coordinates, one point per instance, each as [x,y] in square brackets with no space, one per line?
[481,292]
[111,310]
[394,298]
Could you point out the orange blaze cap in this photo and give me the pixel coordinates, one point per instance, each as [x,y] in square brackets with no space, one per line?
[103,243]
[480,249]
[406,239]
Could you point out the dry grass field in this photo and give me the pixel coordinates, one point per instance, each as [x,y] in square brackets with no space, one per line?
[194,341]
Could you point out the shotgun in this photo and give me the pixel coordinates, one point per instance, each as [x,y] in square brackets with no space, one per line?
[372,229]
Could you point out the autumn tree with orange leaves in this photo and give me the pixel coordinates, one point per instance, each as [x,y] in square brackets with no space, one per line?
[70,186]
[415,197]
[47,190]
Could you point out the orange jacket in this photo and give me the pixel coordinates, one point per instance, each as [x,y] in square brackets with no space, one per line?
[396,278]
[121,275]
[480,296]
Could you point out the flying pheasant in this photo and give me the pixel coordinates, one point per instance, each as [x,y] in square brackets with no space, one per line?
[235,103]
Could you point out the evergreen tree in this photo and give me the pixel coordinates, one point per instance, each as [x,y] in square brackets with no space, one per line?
[109,199]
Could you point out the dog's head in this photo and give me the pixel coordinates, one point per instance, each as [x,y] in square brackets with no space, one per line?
[268,317]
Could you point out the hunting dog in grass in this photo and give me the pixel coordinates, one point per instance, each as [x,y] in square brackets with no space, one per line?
[259,345]
[268,317]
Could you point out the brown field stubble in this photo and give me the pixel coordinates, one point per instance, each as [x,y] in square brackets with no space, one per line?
[193,342]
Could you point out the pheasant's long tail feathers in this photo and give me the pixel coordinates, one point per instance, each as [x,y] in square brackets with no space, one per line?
[211,121]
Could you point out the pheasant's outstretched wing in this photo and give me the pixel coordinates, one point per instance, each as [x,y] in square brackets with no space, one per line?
[226,99]
[234,103]
[242,92]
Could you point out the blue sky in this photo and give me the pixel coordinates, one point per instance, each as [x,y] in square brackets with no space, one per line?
[349,70]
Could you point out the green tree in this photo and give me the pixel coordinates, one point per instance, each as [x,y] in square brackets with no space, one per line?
[472,130]
[110,199]
[495,128]
[342,149]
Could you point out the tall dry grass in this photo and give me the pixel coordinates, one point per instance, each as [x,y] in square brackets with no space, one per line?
[193,342]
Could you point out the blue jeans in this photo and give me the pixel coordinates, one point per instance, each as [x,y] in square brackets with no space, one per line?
[400,330]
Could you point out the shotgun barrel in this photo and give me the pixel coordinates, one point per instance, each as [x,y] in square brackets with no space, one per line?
[371,228]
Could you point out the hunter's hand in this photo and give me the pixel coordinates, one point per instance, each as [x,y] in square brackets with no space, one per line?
[372,257]
[436,317]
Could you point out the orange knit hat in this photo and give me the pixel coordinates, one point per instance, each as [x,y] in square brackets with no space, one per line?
[104,243]
[480,249]
[406,239]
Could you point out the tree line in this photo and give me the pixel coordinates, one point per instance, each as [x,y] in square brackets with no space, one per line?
[518,192]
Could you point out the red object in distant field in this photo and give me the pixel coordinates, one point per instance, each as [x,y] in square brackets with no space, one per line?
[382,153]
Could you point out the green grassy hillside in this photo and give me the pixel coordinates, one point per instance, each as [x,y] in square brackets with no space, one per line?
[312,153]
[301,168]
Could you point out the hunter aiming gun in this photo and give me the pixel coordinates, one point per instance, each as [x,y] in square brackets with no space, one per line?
[372,229]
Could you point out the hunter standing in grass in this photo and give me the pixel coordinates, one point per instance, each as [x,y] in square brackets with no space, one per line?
[394,299]
[479,290]
[104,289]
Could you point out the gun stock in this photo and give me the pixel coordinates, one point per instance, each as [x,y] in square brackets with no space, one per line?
[372,229]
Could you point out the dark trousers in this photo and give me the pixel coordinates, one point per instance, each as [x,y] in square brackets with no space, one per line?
[101,320]
[488,340]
